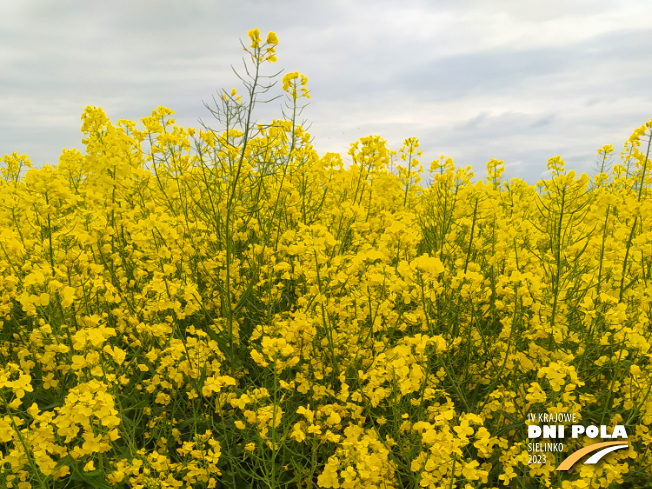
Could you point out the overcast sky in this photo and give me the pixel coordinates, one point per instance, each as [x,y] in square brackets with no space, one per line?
[519,81]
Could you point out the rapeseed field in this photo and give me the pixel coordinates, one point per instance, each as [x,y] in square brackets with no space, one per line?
[225,308]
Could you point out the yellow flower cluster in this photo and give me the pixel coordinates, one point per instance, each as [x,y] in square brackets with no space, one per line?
[226,308]
[292,81]
[257,45]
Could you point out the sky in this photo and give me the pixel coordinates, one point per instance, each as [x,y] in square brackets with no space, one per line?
[472,80]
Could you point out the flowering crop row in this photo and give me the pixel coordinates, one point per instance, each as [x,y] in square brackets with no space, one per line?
[225,308]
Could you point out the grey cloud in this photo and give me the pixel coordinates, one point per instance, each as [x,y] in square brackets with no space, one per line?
[467,79]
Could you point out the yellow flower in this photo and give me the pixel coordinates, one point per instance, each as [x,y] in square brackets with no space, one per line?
[463,430]
[67,296]
[271,38]
[254,35]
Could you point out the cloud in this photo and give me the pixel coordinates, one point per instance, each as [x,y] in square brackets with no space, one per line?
[475,80]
